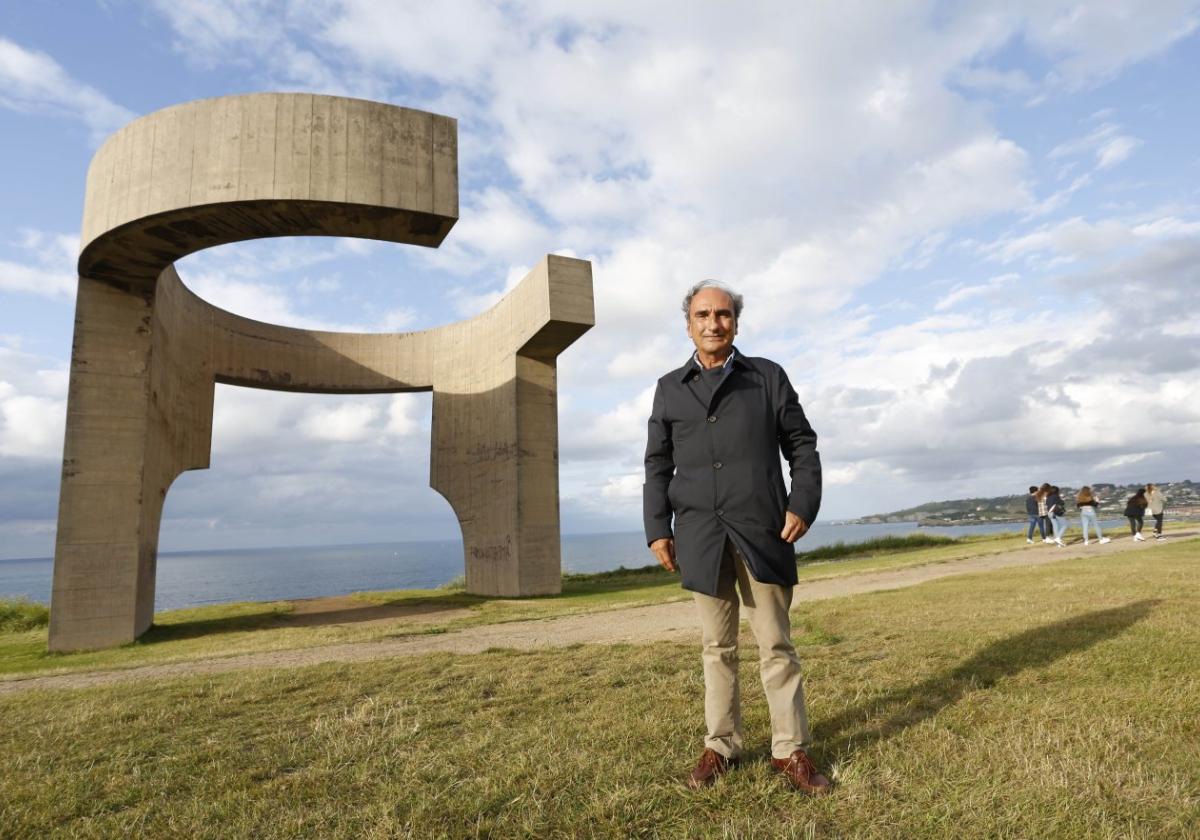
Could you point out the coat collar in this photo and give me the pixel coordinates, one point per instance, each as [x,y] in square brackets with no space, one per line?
[690,367]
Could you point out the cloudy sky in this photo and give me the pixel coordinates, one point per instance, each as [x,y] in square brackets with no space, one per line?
[970,231]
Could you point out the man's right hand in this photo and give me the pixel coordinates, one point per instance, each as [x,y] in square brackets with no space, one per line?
[664,553]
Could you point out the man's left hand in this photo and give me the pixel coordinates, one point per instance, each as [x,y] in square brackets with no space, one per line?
[793,527]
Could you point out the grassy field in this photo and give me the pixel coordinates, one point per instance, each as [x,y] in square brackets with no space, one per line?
[1055,701]
[231,629]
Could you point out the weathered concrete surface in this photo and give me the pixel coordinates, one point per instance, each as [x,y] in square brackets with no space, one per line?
[147,351]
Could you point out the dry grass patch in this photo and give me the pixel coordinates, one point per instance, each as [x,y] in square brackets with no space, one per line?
[1058,701]
[232,629]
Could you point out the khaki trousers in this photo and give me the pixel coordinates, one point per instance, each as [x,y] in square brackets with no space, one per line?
[766,607]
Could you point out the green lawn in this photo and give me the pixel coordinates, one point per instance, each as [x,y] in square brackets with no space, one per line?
[1055,701]
[231,629]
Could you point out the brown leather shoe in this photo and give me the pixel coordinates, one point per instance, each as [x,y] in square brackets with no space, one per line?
[801,773]
[711,765]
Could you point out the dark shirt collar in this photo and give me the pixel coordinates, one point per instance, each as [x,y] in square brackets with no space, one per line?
[734,359]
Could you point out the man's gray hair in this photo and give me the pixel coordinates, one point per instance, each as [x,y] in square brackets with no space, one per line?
[712,284]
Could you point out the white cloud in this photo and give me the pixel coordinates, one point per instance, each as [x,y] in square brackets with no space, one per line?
[424,39]
[319,285]
[37,280]
[403,415]
[1074,391]
[1091,42]
[1115,151]
[33,394]
[619,433]
[500,227]
[1070,240]
[991,79]
[963,292]
[258,301]
[30,426]
[1058,199]
[623,487]
[657,354]
[33,82]
[255,423]
[245,420]
[396,320]
[1125,460]
[1106,143]
[209,31]
[51,272]
[256,280]
[468,303]
[347,422]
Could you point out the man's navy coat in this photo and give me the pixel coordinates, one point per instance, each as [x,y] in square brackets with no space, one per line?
[714,466]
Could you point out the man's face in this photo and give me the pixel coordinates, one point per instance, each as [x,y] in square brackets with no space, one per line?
[711,324]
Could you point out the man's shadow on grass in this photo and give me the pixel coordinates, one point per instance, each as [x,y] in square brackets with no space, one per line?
[890,714]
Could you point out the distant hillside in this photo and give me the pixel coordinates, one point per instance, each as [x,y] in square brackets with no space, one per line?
[1183,498]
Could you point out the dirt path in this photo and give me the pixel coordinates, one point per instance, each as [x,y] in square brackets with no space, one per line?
[674,621]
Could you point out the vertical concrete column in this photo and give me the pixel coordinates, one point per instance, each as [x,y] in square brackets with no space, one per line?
[139,413]
[495,428]
[495,459]
[540,566]
[103,585]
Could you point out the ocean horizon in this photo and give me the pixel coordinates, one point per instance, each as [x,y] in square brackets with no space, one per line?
[197,578]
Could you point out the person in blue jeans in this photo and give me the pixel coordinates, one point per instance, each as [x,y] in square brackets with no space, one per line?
[1057,512]
[1087,502]
[1035,518]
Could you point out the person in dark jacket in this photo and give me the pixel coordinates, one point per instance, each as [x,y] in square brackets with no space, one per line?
[1057,511]
[716,510]
[1035,518]
[1135,512]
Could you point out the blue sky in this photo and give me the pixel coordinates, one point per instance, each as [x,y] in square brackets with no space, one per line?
[970,231]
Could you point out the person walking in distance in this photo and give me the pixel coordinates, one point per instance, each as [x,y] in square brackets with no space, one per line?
[1087,503]
[716,510]
[1035,518]
[1058,515]
[1156,503]
[1135,511]
[1042,494]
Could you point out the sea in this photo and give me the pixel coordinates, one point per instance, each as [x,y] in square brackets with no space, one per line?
[195,578]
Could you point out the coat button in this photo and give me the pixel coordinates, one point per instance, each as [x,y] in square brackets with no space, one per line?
[717,465]
[712,419]
[720,512]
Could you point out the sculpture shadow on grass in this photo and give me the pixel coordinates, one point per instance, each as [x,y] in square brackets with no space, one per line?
[350,611]
[882,717]
[347,612]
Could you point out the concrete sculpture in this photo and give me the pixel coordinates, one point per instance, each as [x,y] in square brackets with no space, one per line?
[147,351]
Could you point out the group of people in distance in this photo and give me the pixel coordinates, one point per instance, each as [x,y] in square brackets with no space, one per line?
[1048,513]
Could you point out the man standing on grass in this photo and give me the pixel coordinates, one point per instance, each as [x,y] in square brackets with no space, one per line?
[716,432]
